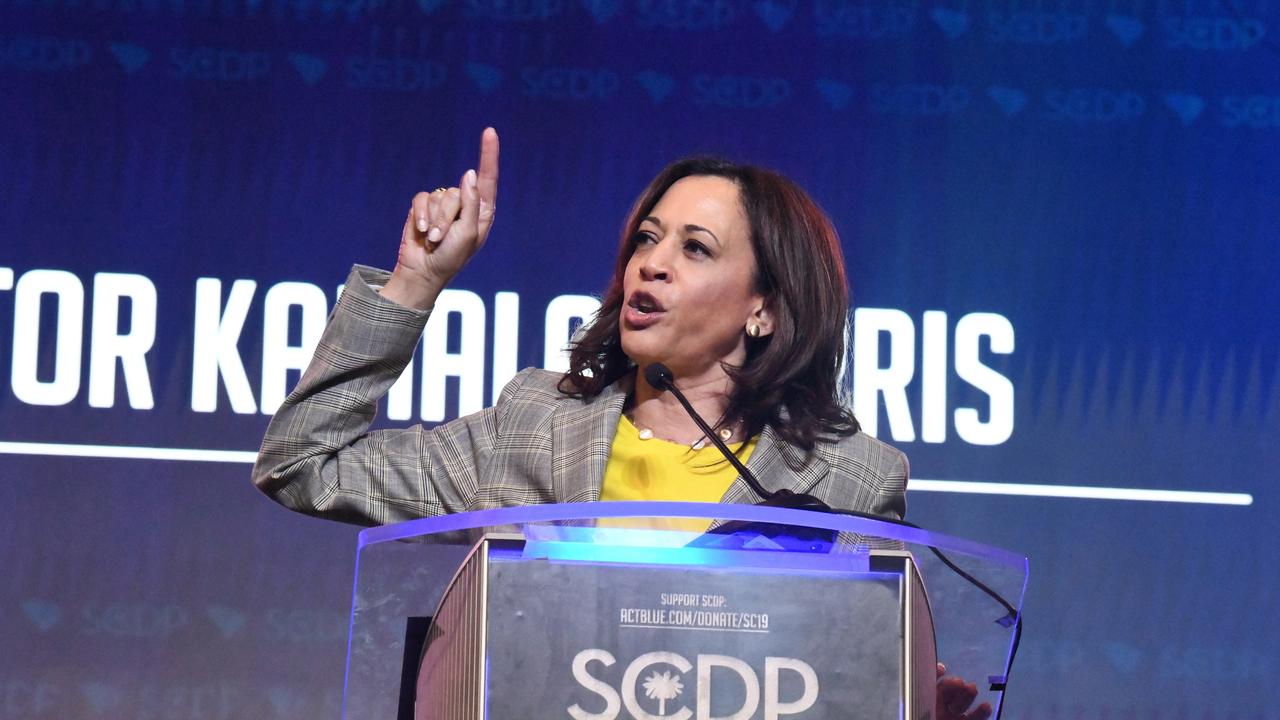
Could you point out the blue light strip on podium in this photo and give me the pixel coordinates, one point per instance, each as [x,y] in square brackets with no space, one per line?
[542,514]
[670,547]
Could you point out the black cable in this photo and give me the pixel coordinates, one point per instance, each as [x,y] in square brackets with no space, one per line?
[660,377]
[1013,618]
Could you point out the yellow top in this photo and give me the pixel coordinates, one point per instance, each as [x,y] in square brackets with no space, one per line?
[662,470]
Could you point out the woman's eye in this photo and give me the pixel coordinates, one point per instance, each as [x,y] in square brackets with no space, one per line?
[696,247]
[641,238]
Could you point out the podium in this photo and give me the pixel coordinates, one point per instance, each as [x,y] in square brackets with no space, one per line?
[705,611]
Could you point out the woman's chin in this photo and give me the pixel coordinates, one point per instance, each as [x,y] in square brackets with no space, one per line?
[643,347]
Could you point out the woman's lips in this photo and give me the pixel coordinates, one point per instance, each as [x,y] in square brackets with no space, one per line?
[642,310]
[638,319]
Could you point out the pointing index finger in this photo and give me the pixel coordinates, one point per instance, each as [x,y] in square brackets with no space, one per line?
[487,171]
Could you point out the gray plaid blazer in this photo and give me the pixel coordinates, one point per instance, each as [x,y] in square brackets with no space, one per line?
[535,445]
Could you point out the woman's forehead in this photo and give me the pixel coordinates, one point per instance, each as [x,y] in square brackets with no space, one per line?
[706,200]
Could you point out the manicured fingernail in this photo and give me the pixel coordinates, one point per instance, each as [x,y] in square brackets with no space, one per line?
[471,178]
[434,235]
[422,224]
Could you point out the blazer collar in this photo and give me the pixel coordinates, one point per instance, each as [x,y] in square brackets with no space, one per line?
[777,465]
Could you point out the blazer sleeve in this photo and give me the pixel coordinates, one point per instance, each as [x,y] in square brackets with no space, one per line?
[318,455]
[891,500]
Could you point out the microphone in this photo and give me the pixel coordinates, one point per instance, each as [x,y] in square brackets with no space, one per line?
[659,376]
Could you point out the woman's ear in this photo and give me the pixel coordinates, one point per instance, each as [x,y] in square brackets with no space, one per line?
[762,319]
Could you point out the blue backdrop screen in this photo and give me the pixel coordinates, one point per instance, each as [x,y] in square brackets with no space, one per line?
[1059,218]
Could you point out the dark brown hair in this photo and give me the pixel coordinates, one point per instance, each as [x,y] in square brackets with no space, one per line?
[789,379]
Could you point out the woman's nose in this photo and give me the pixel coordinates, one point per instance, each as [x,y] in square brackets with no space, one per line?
[657,262]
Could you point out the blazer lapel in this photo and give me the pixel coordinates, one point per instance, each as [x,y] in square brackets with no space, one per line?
[777,465]
[581,438]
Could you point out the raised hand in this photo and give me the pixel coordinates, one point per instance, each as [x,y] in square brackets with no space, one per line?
[444,229]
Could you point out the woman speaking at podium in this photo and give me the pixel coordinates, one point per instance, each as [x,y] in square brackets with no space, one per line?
[728,275]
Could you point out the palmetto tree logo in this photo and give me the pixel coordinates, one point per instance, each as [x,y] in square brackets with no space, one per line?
[662,687]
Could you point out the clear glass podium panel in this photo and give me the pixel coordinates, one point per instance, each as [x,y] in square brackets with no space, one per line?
[616,602]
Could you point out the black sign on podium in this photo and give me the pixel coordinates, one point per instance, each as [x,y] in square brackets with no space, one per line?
[686,611]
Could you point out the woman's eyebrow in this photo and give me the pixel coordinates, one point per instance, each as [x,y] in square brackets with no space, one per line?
[687,228]
[699,228]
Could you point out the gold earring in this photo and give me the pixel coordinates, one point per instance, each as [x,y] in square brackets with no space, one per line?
[753,330]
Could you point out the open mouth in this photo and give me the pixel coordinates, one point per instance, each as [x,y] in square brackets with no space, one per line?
[644,303]
[642,311]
